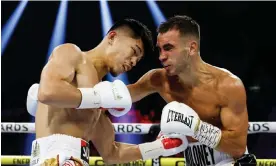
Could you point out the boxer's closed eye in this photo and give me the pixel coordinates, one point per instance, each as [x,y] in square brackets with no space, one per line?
[134,51]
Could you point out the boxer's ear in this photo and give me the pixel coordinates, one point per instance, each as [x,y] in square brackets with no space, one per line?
[193,48]
[111,37]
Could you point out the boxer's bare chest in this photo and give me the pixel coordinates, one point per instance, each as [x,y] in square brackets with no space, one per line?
[204,99]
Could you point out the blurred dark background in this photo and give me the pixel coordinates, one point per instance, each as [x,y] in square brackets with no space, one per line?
[238,36]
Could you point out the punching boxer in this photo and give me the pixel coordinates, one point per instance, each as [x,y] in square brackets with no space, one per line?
[68,104]
[206,103]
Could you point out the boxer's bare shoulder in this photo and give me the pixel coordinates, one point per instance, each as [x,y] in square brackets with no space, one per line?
[231,87]
[69,51]
[68,62]
[229,84]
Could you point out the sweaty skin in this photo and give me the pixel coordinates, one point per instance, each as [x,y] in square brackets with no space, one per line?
[215,94]
[68,69]
[59,115]
[220,100]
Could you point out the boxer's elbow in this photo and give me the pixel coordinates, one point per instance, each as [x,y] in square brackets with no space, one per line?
[108,155]
[111,158]
[115,156]
[241,145]
[240,148]
[233,143]
[45,96]
[107,160]
[238,152]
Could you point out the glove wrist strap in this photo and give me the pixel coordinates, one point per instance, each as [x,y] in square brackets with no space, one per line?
[208,134]
[90,98]
[151,150]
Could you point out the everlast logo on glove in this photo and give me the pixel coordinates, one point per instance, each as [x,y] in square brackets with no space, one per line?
[176,116]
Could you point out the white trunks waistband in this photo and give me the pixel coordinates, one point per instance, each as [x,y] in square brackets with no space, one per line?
[59,146]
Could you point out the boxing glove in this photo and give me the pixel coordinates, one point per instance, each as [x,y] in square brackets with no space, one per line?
[165,145]
[174,150]
[32,99]
[180,118]
[113,96]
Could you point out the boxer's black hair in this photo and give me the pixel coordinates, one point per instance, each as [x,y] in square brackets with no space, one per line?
[139,31]
[185,25]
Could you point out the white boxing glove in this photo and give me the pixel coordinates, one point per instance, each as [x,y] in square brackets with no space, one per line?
[32,99]
[117,100]
[113,96]
[180,118]
[165,145]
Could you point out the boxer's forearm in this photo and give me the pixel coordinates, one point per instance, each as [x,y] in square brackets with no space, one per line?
[140,90]
[232,143]
[123,153]
[135,93]
[59,94]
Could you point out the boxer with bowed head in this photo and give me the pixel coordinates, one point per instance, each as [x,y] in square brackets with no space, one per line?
[206,103]
[69,100]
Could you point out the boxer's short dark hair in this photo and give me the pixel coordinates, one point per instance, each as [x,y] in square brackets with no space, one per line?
[139,31]
[185,24]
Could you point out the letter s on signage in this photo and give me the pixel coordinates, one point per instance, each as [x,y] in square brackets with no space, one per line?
[265,126]
[138,127]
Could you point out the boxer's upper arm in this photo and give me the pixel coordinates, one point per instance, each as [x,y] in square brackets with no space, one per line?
[234,117]
[144,86]
[57,75]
